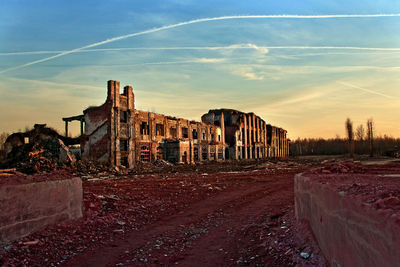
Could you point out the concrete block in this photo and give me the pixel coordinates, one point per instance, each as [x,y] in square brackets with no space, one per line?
[349,231]
[29,207]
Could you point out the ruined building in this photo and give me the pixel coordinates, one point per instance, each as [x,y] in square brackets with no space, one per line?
[247,135]
[119,134]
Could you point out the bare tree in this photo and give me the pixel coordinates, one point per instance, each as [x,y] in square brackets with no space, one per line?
[370,136]
[350,136]
[360,133]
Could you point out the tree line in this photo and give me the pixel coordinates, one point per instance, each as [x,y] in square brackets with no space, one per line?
[362,141]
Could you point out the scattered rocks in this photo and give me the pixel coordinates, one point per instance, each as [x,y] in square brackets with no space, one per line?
[28,243]
[304,255]
[339,167]
[115,206]
[162,163]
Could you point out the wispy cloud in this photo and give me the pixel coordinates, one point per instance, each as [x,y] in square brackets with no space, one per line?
[36,101]
[189,61]
[70,86]
[249,46]
[336,48]
[299,99]
[248,73]
[268,70]
[166,27]
[365,90]
[261,49]
[209,60]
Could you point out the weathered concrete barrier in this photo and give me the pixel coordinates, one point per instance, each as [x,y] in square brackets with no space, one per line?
[28,207]
[352,226]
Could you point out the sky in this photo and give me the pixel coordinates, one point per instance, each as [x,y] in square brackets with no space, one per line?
[304,66]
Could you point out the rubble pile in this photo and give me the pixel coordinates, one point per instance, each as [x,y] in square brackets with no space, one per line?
[36,162]
[339,167]
[91,170]
[87,167]
[38,150]
[162,163]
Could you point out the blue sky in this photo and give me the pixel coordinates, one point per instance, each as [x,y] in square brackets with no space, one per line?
[306,75]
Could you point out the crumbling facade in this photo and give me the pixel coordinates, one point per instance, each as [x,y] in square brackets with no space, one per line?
[119,134]
[248,136]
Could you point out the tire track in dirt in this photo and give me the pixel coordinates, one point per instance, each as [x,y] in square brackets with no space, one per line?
[226,208]
[218,247]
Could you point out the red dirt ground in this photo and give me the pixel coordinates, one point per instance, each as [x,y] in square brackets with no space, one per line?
[243,218]
[376,186]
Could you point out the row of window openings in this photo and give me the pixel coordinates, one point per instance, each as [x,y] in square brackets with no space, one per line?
[124,145]
[144,150]
[144,130]
[145,153]
[213,154]
[248,135]
[256,124]
[255,153]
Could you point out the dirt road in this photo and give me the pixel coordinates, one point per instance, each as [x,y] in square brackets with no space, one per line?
[222,229]
[240,218]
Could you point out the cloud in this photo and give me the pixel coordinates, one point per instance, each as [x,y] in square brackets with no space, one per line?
[299,99]
[24,102]
[365,90]
[282,71]
[39,90]
[262,49]
[248,73]
[336,47]
[69,86]
[209,60]
[171,26]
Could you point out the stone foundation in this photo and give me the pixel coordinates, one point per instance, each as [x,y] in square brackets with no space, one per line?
[29,207]
[349,231]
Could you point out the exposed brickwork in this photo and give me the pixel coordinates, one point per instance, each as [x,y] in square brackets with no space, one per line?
[117,133]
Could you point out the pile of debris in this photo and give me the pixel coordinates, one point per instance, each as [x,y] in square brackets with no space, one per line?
[87,167]
[162,163]
[339,167]
[89,170]
[39,150]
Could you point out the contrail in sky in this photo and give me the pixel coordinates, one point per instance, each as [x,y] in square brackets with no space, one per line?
[365,90]
[229,47]
[171,26]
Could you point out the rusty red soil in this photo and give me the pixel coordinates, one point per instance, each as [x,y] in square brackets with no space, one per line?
[376,186]
[241,218]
